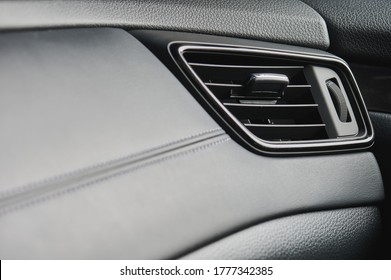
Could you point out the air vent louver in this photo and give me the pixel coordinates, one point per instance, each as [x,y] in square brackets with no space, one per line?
[290,117]
[275,100]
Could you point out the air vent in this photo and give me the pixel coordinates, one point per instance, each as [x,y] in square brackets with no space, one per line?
[286,114]
[276,100]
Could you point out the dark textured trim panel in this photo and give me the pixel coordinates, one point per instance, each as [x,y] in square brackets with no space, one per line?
[359,29]
[350,233]
[285,21]
[375,84]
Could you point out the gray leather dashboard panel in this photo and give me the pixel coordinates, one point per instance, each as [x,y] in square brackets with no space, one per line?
[284,21]
[77,99]
[104,154]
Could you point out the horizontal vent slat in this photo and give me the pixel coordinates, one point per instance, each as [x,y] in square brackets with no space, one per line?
[305,113]
[223,85]
[292,115]
[245,66]
[223,91]
[206,57]
[240,74]
[293,94]
[288,132]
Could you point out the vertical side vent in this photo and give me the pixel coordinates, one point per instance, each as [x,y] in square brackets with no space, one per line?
[279,100]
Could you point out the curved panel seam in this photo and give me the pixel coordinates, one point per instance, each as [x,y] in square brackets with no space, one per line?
[257,222]
[7,209]
[30,186]
[254,229]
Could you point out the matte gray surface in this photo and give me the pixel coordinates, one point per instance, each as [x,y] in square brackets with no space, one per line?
[73,99]
[286,21]
[339,234]
[167,205]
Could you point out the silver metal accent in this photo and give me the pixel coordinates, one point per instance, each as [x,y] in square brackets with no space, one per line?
[271,78]
[354,143]
[245,66]
[223,85]
[274,106]
[286,125]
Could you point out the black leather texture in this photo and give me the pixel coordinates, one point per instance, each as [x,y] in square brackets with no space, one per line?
[339,234]
[375,85]
[359,29]
[382,150]
[285,21]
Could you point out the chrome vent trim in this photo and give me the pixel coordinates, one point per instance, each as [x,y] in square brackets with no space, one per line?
[255,133]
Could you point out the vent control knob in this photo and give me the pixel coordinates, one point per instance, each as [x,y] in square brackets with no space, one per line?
[338,100]
[267,85]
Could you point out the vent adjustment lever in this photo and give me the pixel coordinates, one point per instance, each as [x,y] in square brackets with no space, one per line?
[267,85]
